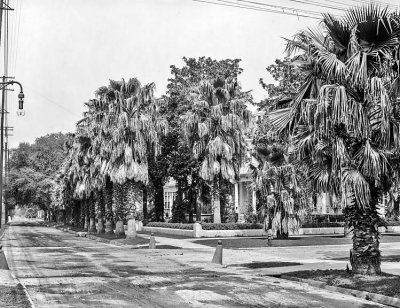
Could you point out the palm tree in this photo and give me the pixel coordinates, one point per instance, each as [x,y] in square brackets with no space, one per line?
[279,181]
[345,118]
[136,128]
[214,130]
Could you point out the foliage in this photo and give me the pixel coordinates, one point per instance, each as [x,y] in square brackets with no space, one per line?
[280,182]
[322,224]
[289,79]
[231,226]
[181,165]
[32,170]
[170,225]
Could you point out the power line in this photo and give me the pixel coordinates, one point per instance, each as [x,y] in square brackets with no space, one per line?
[281,7]
[51,101]
[17,36]
[231,4]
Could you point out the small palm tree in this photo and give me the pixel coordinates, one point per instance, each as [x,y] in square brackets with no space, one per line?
[214,129]
[280,182]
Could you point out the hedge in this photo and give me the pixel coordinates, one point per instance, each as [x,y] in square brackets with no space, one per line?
[230,226]
[322,224]
[205,226]
[170,225]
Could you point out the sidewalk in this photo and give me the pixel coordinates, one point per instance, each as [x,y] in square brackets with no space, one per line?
[12,292]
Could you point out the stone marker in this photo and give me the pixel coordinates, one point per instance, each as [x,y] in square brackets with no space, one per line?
[218,254]
[152,244]
[131,232]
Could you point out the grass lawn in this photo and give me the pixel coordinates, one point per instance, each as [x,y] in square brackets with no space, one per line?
[316,240]
[384,284]
[15,297]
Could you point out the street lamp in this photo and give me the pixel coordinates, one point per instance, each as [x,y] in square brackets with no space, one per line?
[20,112]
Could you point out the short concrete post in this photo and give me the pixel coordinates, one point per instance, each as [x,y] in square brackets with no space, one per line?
[152,244]
[131,232]
[269,234]
[218,254]
[197,229]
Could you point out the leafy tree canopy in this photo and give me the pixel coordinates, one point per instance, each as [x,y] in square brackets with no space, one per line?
[289,79]
[33,168]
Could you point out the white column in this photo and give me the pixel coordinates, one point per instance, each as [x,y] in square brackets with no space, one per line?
[236,197]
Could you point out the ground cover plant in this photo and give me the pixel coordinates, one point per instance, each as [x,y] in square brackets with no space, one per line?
[385,284]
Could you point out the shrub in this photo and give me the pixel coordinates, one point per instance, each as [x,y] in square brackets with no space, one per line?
[230,226]
[322,224]
[393,223]
[170,225]
[324,218]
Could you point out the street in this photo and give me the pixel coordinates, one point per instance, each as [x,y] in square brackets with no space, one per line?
[61,270]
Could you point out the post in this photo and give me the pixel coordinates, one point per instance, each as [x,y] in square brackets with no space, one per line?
[2,139]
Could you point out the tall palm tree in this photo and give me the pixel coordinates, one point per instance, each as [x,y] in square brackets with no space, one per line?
[345,118]
[136,127]
[214,130]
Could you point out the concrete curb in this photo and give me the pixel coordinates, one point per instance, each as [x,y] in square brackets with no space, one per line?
[102,240]
[377,298]
[18,282]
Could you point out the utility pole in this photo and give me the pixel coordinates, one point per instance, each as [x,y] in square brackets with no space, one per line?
[2,127]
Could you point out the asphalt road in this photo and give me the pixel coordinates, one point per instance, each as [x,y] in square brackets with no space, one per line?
[60,270]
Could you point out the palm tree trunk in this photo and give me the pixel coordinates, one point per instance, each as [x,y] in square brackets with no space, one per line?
[192,201]
[108,200]
[365,257]
[130,191]
[199,203]
[82,214]
[216,202]
[118,201]
[159,199]
[100,211]
[86,224]
[144,203]
[92,214]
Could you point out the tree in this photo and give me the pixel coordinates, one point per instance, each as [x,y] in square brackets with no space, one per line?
[280,182]
[179,160]
[32,171]
[136,127]
[214,130]
[289,79]
[345,117]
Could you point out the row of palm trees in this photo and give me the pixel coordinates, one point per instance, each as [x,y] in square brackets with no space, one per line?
[340,133]
[106,174]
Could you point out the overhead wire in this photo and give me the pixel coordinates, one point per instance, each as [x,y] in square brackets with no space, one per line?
[248,7]
[17,36]
[281,7]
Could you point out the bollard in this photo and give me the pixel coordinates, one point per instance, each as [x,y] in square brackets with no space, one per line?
[269,237]
[218,254]
[152,244]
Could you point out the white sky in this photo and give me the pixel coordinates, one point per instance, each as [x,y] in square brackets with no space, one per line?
[69,48]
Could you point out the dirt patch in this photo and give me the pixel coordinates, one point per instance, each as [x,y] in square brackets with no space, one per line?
[163,247]
[385,284]
[266,264]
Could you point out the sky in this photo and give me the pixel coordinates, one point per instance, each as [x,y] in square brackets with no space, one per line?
[63,50]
